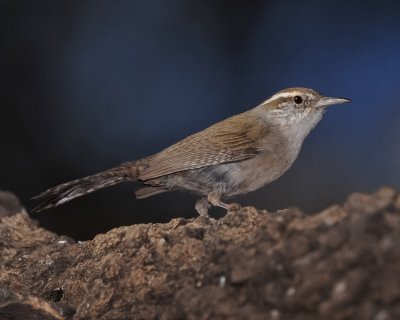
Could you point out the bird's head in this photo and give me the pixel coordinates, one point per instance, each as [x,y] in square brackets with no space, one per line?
[295,105]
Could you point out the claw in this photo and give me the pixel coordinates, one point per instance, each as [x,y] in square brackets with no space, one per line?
[234,207]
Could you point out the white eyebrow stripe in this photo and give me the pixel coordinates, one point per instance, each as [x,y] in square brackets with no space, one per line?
[284,95]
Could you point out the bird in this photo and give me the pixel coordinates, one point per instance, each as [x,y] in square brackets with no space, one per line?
[232,157]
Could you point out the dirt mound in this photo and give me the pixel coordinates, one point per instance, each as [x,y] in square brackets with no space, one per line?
[341,263]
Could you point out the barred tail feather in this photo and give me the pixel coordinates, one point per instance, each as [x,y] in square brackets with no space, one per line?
[65,192]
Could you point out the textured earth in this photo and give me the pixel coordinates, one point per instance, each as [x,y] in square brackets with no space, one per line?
[341,263]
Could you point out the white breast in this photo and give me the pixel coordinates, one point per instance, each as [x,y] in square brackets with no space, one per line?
[259,171]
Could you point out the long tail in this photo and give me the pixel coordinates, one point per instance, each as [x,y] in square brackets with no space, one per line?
[65,192]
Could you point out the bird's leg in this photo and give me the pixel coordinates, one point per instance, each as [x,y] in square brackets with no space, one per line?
[215,200]
[202,206]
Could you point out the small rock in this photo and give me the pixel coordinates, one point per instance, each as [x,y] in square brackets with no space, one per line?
[9,204]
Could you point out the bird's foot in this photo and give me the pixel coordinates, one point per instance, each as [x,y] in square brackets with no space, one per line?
[215,200]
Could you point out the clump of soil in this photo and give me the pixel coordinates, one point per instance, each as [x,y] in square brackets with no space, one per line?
[341,263]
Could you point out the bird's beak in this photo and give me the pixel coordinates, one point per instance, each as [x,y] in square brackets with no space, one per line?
[328,101]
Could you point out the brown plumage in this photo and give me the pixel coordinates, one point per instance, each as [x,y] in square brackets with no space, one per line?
[234,156]
[235,139]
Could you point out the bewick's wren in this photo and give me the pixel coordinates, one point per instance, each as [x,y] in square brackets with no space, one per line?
[232,157]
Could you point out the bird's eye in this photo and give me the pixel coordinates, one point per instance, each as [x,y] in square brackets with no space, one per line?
[298,99]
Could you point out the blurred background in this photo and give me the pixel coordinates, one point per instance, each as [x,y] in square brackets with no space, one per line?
[88,84]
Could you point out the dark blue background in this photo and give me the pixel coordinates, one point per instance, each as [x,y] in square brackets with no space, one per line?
[86,85]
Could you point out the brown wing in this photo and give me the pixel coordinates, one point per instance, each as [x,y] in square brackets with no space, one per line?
[231,140]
